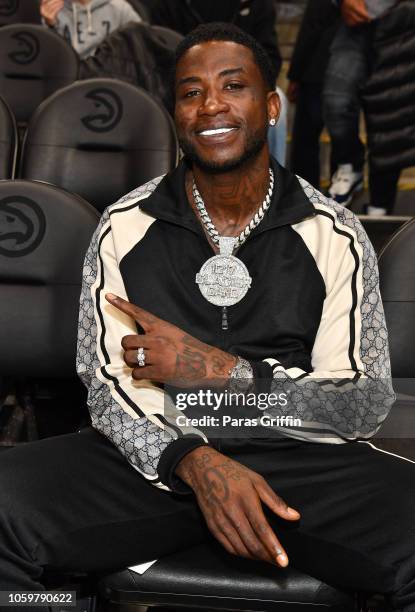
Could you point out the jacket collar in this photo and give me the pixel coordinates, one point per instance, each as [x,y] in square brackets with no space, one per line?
[168,202]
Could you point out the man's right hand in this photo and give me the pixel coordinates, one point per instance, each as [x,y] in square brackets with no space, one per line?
[49,10]
[230,495]
[354,12]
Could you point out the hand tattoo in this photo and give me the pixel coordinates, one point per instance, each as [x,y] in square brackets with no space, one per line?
[197,344]
[190,365]
[219,367]
[217,489]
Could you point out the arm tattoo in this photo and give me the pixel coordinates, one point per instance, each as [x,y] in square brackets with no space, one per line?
[202,460]
[219,367]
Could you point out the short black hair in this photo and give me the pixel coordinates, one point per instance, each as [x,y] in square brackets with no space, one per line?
[229,32]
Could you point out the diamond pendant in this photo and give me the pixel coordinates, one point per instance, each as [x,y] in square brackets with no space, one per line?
[224,279]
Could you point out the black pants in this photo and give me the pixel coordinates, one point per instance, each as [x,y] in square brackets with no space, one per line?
[383,186]
[346,73]
[307,128]
[72,502]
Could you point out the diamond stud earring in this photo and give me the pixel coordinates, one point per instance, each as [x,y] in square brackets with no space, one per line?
[272,121]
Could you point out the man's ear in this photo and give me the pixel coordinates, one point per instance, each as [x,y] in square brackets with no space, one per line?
[274,105]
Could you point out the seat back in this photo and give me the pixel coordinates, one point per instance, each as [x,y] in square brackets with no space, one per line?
[397,284]
[44,234]
[34,63]
[141,9]
[169,37]
[8,141]
[114,136]
[19,11]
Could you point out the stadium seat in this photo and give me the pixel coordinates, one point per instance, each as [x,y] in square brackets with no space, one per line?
[99,138]
[34,63]
[206,577]
[397,285]
[44,233]
[140,8]
[8,141]
[170,38]
[19,11]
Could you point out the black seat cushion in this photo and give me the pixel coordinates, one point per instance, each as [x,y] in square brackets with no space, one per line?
[34,63]
[44,234]
[8,141]
[99,138]
[206,576]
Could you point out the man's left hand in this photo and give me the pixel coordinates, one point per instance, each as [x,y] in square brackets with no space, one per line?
[171,355]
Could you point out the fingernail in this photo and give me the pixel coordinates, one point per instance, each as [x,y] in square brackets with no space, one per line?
[292,511]
[281,558]
[111,296]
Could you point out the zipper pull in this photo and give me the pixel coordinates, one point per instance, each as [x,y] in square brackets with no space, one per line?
[224,318]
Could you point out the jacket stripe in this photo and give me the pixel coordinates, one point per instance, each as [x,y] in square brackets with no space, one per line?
[353,286]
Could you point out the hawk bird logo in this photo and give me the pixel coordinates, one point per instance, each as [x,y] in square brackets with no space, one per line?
[109,110]
[27,50]
[8,7]
[22,226]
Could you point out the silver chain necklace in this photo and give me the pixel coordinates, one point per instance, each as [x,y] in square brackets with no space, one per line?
[224,279]
[254,222]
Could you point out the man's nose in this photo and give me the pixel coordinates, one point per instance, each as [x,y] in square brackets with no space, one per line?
[213,103]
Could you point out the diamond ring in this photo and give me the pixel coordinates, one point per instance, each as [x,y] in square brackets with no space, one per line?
[141,357]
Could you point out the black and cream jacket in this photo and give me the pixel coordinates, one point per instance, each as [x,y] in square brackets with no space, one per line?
[313,316]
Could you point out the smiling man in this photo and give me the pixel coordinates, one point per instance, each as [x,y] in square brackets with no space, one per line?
[234,271]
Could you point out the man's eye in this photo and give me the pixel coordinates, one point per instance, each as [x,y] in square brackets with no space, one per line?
[191,93]
[234,86]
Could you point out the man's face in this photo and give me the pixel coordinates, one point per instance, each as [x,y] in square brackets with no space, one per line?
[222,105]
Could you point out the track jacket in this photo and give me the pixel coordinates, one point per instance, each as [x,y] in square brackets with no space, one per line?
[313,316]
[86,26]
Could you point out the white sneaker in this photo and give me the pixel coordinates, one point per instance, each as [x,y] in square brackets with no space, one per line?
[375,211]
[345,183]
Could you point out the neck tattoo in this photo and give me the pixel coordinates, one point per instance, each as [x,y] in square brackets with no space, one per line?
[224,279]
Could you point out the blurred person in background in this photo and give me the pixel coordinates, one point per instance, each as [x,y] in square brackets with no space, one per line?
[257,17]
[347,71]
[86,23]
[137,54]
[306,77]
[389,104]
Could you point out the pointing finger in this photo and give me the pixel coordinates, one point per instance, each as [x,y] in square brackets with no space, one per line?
[143,317]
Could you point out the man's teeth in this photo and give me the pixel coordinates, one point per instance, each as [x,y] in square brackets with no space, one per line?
[217,131]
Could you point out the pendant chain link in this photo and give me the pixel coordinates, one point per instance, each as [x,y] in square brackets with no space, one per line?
[254,222]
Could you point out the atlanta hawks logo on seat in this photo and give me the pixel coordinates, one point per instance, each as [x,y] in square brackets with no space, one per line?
[22,226]
[8,7]
[109,110]
[27,48]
